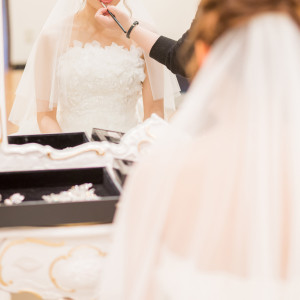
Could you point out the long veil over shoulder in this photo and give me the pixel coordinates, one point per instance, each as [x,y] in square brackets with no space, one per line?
[214,212]
[38,88]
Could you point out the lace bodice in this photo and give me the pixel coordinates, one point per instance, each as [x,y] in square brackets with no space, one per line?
[99,87]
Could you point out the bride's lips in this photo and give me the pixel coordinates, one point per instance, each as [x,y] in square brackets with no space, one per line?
[106,2]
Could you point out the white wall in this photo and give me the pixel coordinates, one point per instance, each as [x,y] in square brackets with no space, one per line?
[26,18]
[173,17]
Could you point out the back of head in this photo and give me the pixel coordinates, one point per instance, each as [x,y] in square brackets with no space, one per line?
[242,168]
[216,17]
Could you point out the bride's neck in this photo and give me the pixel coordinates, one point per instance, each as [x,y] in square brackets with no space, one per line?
[87,17]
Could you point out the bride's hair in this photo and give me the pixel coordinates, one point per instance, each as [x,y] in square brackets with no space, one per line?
[215,17]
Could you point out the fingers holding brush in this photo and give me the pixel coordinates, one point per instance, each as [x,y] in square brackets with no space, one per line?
[113,18]
[102,16]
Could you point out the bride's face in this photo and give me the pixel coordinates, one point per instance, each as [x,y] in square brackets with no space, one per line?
[96,3]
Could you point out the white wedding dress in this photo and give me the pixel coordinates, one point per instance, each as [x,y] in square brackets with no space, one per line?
[99,87]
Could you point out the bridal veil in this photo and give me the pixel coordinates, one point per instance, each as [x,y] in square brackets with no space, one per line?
[214,211]
[38,88]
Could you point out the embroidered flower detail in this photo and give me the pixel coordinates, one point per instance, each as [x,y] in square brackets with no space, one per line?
[99,86]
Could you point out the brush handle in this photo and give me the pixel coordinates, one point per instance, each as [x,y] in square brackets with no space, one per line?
[114,17]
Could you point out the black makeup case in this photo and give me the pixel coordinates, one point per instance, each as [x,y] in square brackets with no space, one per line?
[55,140]
[34,211]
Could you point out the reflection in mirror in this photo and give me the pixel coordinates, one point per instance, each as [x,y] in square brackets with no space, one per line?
[78,77]
[22,24]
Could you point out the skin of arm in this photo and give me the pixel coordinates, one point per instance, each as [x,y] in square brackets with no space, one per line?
[43,81]
[47,122]
[143,37]
[151,106]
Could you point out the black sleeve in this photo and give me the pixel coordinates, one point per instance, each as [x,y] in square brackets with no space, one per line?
[166,51]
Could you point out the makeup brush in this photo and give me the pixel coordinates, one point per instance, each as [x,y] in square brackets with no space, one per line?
[114,17]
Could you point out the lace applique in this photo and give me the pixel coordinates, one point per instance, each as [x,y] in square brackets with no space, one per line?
[99,86]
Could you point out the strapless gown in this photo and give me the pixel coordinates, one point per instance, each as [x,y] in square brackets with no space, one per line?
[99,87]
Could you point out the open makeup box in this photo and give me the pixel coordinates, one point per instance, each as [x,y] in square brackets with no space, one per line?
[33,185]
[65,140]
[55,140]
[34,211]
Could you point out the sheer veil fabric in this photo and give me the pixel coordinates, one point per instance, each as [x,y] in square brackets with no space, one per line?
[38,88]
[213,212]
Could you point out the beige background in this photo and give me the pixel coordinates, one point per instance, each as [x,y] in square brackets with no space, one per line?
[173,17]
[25,24]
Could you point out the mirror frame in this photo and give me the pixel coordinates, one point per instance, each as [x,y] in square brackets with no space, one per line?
[3,127]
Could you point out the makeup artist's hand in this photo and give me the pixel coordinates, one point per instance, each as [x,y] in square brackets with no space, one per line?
[142,36]
[104,19]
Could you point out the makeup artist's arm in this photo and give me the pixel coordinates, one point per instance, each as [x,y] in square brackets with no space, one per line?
[166,51]
[151,106]
[160,48]
[143,37]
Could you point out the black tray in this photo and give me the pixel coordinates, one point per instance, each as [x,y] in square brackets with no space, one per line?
[36,212]
[100,135]
[55,140]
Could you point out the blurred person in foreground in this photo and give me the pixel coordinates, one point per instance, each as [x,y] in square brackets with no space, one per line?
[213,212]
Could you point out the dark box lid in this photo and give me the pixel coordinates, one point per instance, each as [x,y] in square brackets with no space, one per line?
[55,140]
[100,135]
[36,212]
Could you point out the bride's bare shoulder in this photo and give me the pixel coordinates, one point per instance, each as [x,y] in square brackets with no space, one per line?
[57,29]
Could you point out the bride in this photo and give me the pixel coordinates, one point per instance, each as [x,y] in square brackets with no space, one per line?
[80,75]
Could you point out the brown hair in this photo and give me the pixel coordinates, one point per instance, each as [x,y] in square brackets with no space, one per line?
[215,17]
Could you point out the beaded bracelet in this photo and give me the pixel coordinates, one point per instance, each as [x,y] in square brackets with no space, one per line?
[130,29]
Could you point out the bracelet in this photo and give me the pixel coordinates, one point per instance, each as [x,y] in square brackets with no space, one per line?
[130,29]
